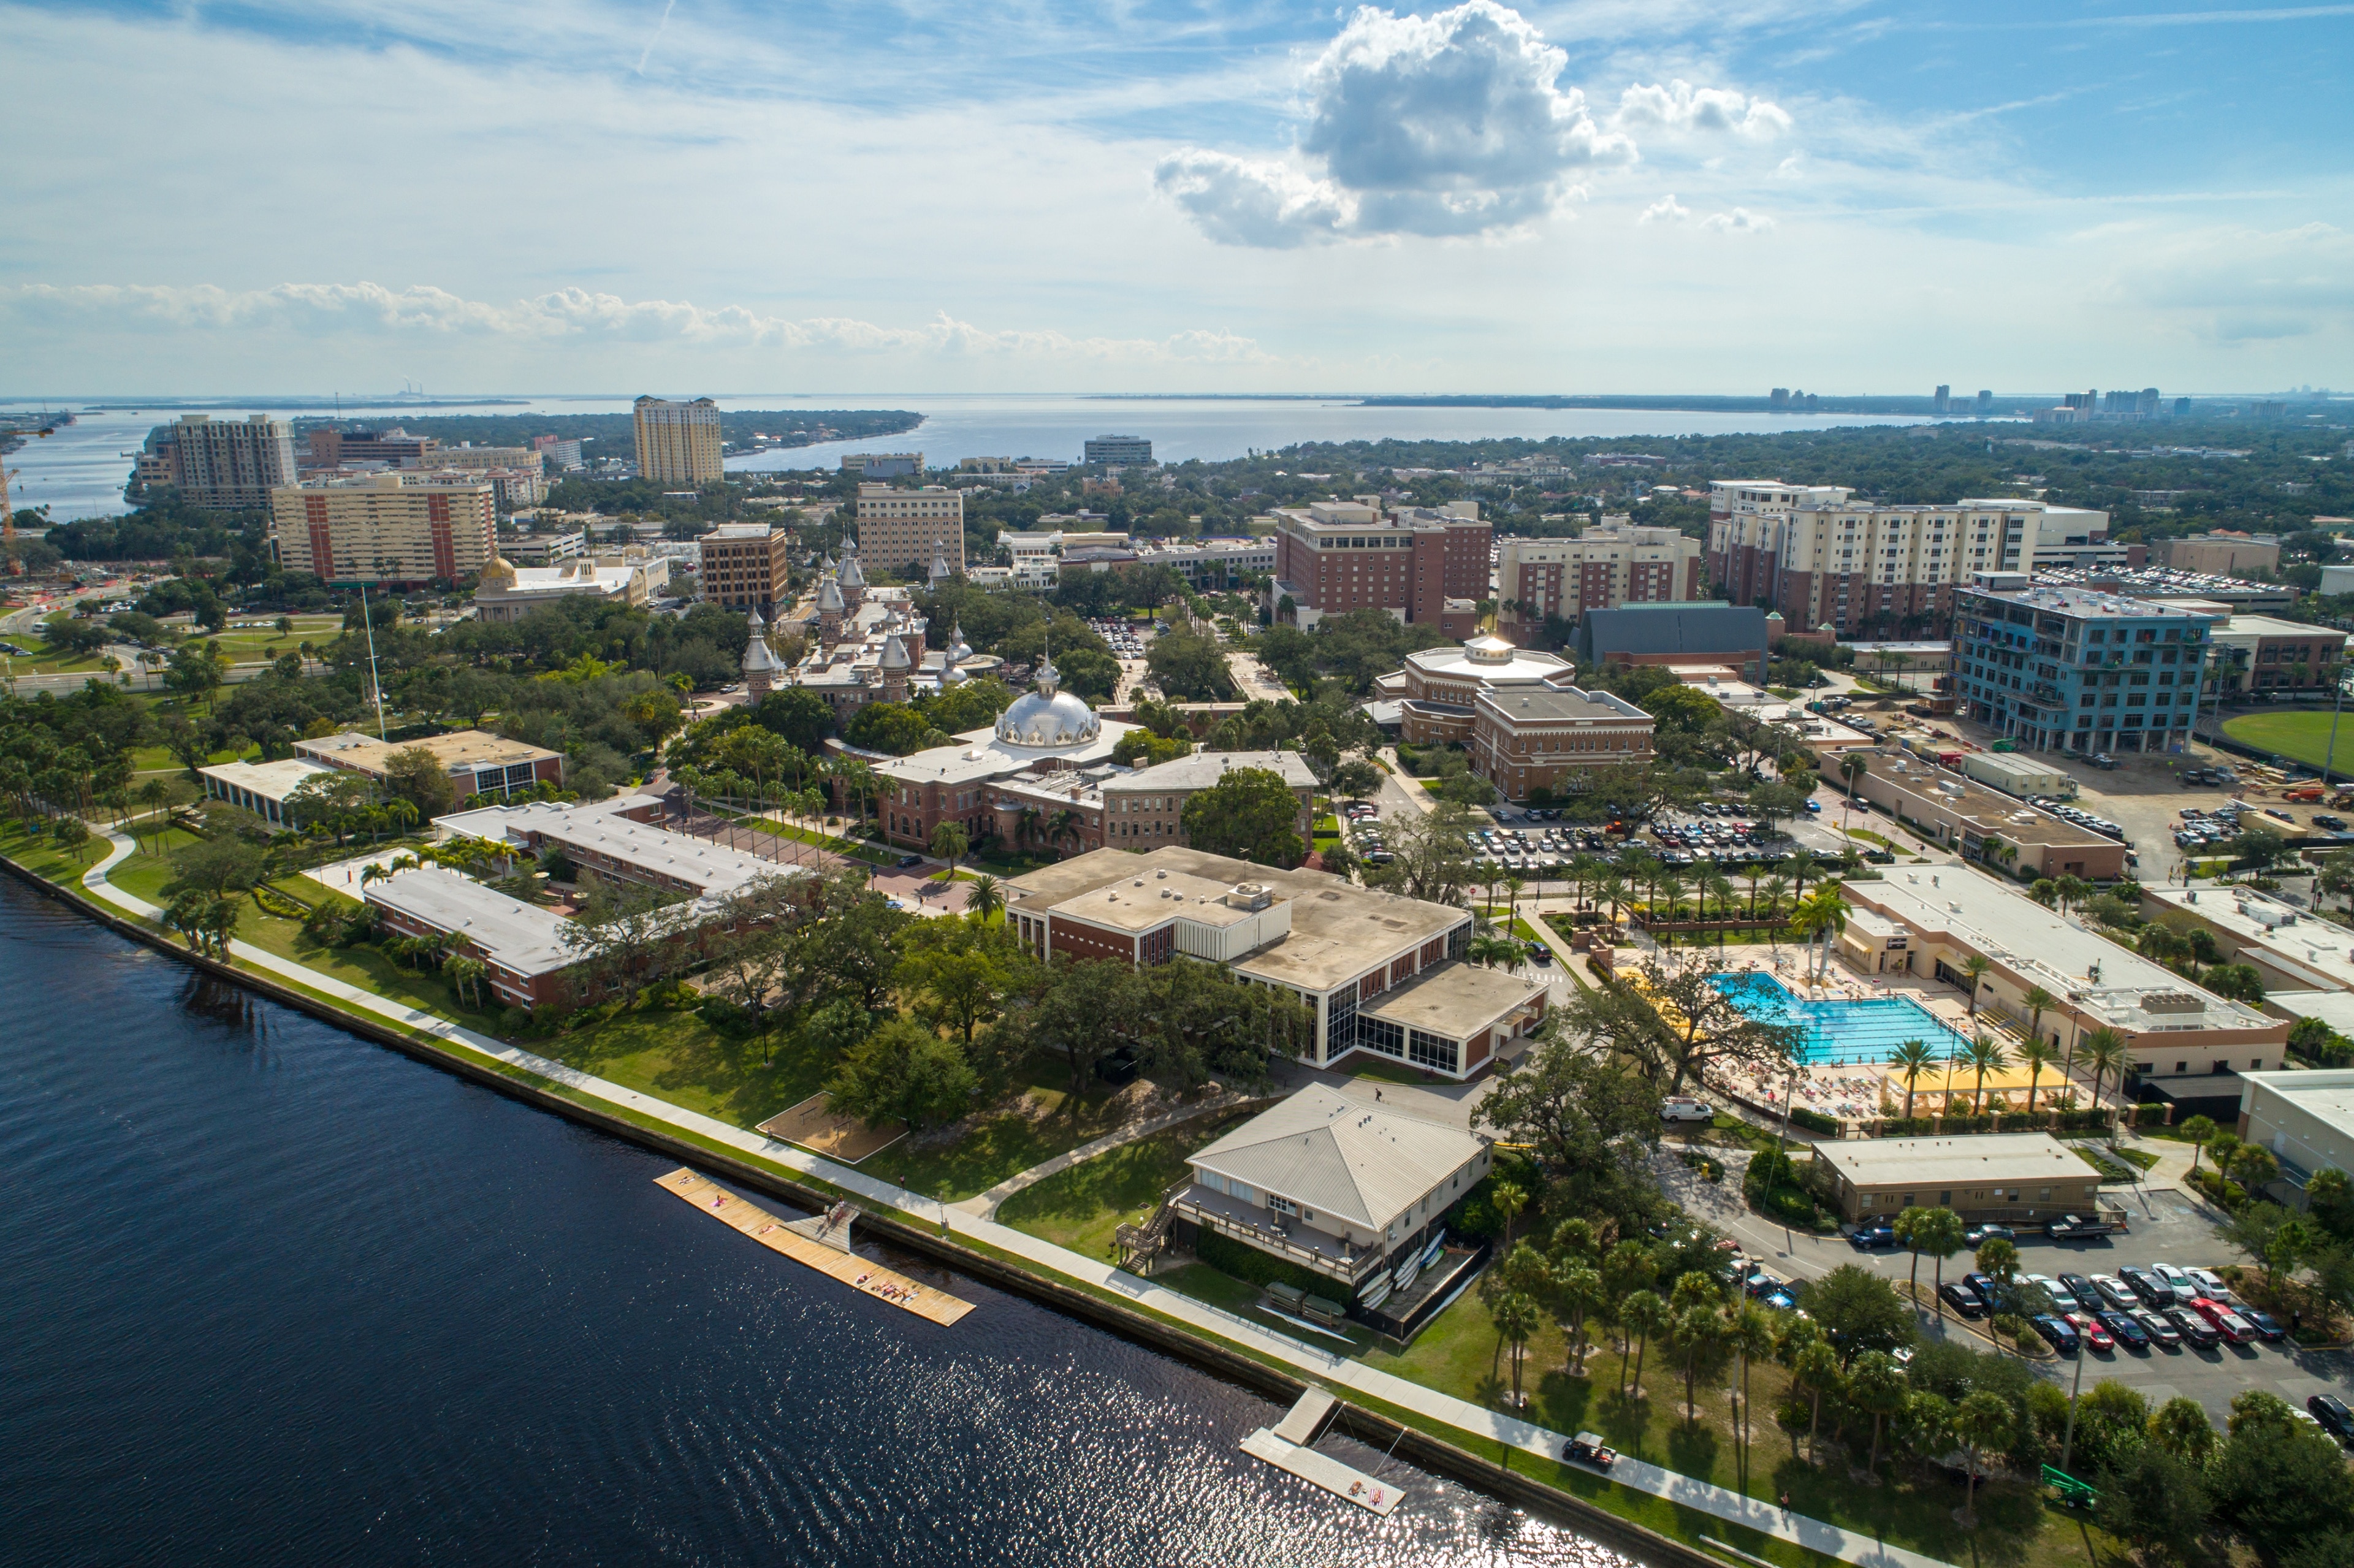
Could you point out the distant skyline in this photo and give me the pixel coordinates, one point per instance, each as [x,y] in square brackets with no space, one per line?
[1614,195]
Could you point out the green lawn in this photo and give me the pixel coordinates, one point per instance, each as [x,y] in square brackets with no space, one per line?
[2301,736]
[1081,1207]
[1458,1354]
[1002,1145]
[856,849]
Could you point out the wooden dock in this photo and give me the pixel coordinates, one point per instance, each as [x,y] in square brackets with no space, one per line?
[859,1274]
[1287,1446]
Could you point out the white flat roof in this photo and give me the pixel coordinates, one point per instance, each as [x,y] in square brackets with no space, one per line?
[715,870]
[2007,925]
[2002,1156]
[520,936]
[271,780]
[2320,953]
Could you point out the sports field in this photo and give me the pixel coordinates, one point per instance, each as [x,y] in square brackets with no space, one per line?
[2301,736]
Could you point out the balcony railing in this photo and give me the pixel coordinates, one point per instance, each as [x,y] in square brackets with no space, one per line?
[1267,1239]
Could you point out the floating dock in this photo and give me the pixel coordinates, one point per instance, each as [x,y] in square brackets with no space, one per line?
[821,1242]
[1287,1446]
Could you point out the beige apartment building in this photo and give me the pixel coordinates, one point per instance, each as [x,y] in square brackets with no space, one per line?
[903,529]
[678,443]
[1603,567]
[397,530]
[477,459]
[745,565]
[1821,558]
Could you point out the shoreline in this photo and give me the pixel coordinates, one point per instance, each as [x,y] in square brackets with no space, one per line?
[1408,1435]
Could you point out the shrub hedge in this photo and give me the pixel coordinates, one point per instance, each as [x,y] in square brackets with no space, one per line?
[1253,1267]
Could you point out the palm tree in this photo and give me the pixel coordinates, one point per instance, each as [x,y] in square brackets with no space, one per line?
[1878,1386]
[1749,1334]
[1986,1055]
[1981,1420]
[1644,1315]
[949,842]
[1611,890]
[1773,887]
[2197,1130]
[2073,890]
[1821,916]
[1797,868]
[1487,950]
[2104,1048]
[1509,1197]
[1915,1057]
[1815,1368]
[2035,1055]
[1941,1235]
[1516,1315]
[1514,885]
[984,897]
[2036,1001]
[1851,768]
[1672,888]
[1578,1290]
[1697,1333]
[1974,970]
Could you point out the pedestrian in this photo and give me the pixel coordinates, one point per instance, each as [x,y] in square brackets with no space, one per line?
[1786,1502]
[1377,1094]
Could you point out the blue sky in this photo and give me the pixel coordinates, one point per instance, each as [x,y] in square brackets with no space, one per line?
[1620,194]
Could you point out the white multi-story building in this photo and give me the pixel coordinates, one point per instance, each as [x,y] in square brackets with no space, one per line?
[1614,564]
[1821,558]
[231,465]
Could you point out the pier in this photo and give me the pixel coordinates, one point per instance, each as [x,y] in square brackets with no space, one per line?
[822,1243]
[1289,1446]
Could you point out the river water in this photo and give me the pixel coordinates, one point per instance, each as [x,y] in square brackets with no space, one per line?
[273,1295]
[80,470]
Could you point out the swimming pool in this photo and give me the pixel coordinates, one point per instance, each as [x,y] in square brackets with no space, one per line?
[1840,1030]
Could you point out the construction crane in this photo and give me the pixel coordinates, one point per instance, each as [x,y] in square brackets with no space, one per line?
[9,476]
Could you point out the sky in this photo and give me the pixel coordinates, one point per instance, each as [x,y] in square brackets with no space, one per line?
[1219,196]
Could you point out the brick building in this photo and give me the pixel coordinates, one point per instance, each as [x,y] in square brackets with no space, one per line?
[745,565]
[395,530]
[1425,568]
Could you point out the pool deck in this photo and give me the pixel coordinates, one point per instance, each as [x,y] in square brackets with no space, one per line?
[1856,1090]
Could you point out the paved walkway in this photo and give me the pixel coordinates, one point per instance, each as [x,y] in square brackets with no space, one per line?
[1310,1362]
[985,1204]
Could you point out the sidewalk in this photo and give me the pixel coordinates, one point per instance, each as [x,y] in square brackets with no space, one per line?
[1307,1360]
[985,1204]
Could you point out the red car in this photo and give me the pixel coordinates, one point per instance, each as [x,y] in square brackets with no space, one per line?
[2225,1321]
[2099,1338]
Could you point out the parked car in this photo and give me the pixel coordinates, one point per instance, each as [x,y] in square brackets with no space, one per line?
[2128,1330]
[906,861]
[1680,1110]
[1762,1285]
[2225,1321]
[2266,1323]
[2152,1290]
[1978,1235]
[2087,1295]
[1587,1449]
[1863,1238]
[2181,1289]
[2057,1332]
[2211,1285]
[2114,1292]
[2194,1327]
[1963,1300]
[2159,1328]
[2096,1333]
[2331,1412]
[1815,807]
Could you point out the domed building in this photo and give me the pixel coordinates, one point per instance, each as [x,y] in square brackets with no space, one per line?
[1048,716]
[763,671]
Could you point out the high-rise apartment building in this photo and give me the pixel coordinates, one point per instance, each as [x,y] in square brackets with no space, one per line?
[393,530]
[903,529]
[1822,557]
[2070,669]
[562,453]
[678,443]
[231,465]
[744,565]
[1426,567]
[1610,565]
[1125,452]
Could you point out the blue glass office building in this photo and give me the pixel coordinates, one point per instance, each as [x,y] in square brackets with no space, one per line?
[2067,669]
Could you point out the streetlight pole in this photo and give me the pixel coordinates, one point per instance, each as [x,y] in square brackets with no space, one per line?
[2338,701]
[2068,1443]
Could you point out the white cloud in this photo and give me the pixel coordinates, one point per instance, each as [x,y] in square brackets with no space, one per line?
[1679,106]
[1667,209]
[1740,220]
[1444,125]
[318,310]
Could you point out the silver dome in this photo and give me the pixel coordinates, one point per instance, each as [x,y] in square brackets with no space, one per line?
[1048,716]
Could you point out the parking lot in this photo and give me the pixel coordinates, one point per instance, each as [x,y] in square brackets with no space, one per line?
[2166,1227]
